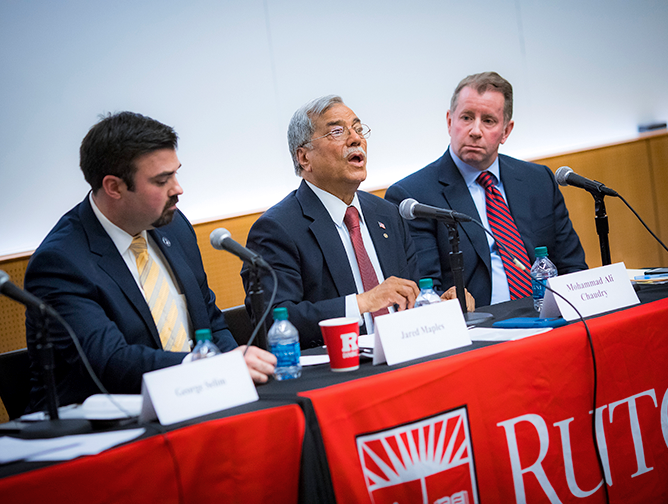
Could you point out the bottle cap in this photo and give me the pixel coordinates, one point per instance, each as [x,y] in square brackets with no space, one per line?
[426,283]
[541,251]
[281,313]
[203,335]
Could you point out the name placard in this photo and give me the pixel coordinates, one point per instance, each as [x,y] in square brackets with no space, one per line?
[423,331]
[593,291]
[179,393]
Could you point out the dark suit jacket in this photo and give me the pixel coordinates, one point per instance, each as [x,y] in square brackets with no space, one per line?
[535,203]
[299,240]
[78,271]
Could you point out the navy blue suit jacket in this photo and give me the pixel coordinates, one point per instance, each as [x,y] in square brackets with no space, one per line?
[534,200]
[79,272]
[298,238]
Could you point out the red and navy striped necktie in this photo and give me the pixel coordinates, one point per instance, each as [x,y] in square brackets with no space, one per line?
[505,232]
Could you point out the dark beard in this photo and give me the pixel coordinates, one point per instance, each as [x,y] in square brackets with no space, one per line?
[167,214]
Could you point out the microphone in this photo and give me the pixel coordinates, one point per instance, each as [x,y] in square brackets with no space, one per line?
[221,239]
[21,296]
[566,176]
[410,209]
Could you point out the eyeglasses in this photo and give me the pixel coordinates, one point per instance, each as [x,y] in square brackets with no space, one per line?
[342,132]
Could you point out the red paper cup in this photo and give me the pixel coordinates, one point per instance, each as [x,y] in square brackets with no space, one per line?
[341,335]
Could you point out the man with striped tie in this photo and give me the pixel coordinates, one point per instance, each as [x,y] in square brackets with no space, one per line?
[124,270]
[518,202]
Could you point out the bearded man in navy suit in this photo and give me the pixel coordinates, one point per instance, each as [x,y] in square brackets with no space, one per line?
[479,121]
[87,270]
[307,242]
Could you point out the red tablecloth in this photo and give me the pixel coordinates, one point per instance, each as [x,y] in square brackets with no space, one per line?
[510,422]
[250,458]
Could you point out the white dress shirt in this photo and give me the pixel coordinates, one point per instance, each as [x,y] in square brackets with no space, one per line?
[337,211]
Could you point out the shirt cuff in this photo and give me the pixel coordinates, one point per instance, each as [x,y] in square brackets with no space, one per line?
[353,309]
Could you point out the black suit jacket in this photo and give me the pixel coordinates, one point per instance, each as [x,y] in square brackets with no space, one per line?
[78,271]
[535,203]
[298,238]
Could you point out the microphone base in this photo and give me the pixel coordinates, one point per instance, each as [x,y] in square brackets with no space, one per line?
[56,428]
[475,318]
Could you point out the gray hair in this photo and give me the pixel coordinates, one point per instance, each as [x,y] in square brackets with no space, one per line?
[301,128]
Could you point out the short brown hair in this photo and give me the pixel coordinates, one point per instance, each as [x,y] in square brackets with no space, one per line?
[483,82]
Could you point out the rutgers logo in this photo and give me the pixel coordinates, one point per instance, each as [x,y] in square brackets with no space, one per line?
[429,461]
[349,345]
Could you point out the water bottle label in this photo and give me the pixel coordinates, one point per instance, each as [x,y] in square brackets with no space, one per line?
[538,289]
[287,355]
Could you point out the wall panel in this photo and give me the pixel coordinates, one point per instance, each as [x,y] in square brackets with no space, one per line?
[625,168]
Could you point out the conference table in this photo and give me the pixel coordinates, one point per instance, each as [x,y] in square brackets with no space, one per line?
[490,422]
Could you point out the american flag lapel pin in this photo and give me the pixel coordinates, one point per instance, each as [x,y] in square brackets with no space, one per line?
[382,226]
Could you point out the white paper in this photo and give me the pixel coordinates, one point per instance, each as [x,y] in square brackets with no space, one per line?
[179,393]
[62,448]
[498,334]
[592,292]
[419,332]
[313,360]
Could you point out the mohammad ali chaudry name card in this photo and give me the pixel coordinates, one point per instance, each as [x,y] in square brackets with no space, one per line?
[593,291]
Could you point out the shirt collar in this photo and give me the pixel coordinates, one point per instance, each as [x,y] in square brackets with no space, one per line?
[121,239]
[334,206]
[469,173]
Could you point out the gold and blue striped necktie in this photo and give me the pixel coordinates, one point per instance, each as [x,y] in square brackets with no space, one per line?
[161,302]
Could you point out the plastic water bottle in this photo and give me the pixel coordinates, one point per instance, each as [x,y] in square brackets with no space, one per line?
[204,347]
[283,341]
[541,270]
[427,293]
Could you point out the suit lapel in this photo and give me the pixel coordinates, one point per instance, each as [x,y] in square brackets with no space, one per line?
[374,217]
[111,262]
[459,199]
[325,232]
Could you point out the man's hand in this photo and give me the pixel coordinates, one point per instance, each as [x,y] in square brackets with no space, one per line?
[261,363]
[393,291]
[451,293]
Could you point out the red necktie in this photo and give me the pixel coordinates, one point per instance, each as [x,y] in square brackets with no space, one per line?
[368,274]
[505,232]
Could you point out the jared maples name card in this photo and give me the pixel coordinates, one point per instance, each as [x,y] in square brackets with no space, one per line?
[186,391]
[592,291]
[415,333]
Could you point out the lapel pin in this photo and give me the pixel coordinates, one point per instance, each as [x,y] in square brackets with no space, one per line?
[166,241]
[385,235]
[381,225]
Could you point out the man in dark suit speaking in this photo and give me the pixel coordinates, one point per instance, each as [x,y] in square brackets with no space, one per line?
[519,201]
[337,251]
[124,270]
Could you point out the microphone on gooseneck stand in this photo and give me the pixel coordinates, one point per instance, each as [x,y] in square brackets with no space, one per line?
[566,176]
[21,296]
[410,209]
[55,426]
[221,239]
